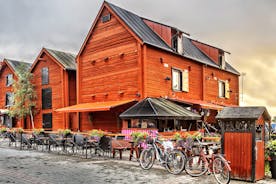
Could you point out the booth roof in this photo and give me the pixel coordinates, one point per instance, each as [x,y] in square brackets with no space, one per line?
[158,108]
[243,113]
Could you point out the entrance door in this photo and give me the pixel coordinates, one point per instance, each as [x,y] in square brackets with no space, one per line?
[238,150]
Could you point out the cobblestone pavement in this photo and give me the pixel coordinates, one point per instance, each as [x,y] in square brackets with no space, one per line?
[22,167]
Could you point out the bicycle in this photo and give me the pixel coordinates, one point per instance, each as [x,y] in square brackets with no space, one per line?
[173,160]
[215,163]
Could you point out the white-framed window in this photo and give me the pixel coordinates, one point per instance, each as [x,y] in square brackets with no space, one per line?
[223,88]
[176,80]
[180,80]
[9,80]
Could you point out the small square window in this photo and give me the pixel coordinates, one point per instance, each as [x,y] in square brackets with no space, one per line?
[106,18]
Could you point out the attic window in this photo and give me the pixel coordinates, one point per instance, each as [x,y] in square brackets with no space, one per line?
[174,43]
[106,18]
[221,60]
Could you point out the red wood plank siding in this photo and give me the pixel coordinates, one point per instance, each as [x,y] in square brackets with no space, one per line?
[212,76]
[105,79]
[212,52]
[108,70]
[238,150]
[63,92]
[3,89]
[156,72]
[203,80]
[163,31]
[260,162]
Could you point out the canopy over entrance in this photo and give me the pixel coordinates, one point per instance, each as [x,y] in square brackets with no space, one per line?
[158,108]
[93,107]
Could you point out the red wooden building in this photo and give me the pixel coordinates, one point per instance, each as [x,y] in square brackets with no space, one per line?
[126,58]
[8,75]
[55,84]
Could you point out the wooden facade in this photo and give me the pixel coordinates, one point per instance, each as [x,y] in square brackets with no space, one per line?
[114,64]
[8,68]
[61,86]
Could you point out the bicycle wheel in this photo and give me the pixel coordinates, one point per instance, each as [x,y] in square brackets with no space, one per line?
[196,166]
[221,170]
[147,158]
[175,162]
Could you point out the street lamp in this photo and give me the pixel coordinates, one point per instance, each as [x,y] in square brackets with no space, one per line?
[242,78]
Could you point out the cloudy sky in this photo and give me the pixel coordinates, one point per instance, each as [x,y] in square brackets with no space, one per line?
[246,28]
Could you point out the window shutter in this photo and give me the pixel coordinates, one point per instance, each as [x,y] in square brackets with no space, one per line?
[185,80]
[47,98]
[227,89]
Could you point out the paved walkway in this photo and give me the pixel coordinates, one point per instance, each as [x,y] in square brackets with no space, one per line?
[33,167]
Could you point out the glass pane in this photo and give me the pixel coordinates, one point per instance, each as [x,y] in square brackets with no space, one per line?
[176,79]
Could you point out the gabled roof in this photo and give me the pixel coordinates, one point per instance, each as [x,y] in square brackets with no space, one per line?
[243,113]
[158,108]
[14,65]
[148,36]
[139,27]
[66,59]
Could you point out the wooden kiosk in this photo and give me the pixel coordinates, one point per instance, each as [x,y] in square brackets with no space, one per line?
[243,140]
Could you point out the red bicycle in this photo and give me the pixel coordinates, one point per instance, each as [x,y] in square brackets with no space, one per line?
[215,163]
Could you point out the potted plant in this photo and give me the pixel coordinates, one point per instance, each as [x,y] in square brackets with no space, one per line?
[67,132]
[96,134]
[138,137]
[270,152]
[20,130]
[3,130]
[38,131]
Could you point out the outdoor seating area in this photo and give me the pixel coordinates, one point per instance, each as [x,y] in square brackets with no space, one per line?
[85,145]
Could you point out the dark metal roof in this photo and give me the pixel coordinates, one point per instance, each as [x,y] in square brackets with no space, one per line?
[138,26]
[191,51]
[148,36]
[67,60]
[16,64]
[158,108]
[243,113]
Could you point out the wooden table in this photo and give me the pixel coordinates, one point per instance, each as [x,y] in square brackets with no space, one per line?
[120,146]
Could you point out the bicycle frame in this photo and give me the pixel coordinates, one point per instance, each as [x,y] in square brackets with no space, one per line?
[209,160]
[158,152]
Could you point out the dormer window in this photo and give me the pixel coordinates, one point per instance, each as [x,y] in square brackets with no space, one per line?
[221,61]
[174,43]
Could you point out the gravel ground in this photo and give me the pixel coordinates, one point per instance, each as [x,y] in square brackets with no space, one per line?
[22,167]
